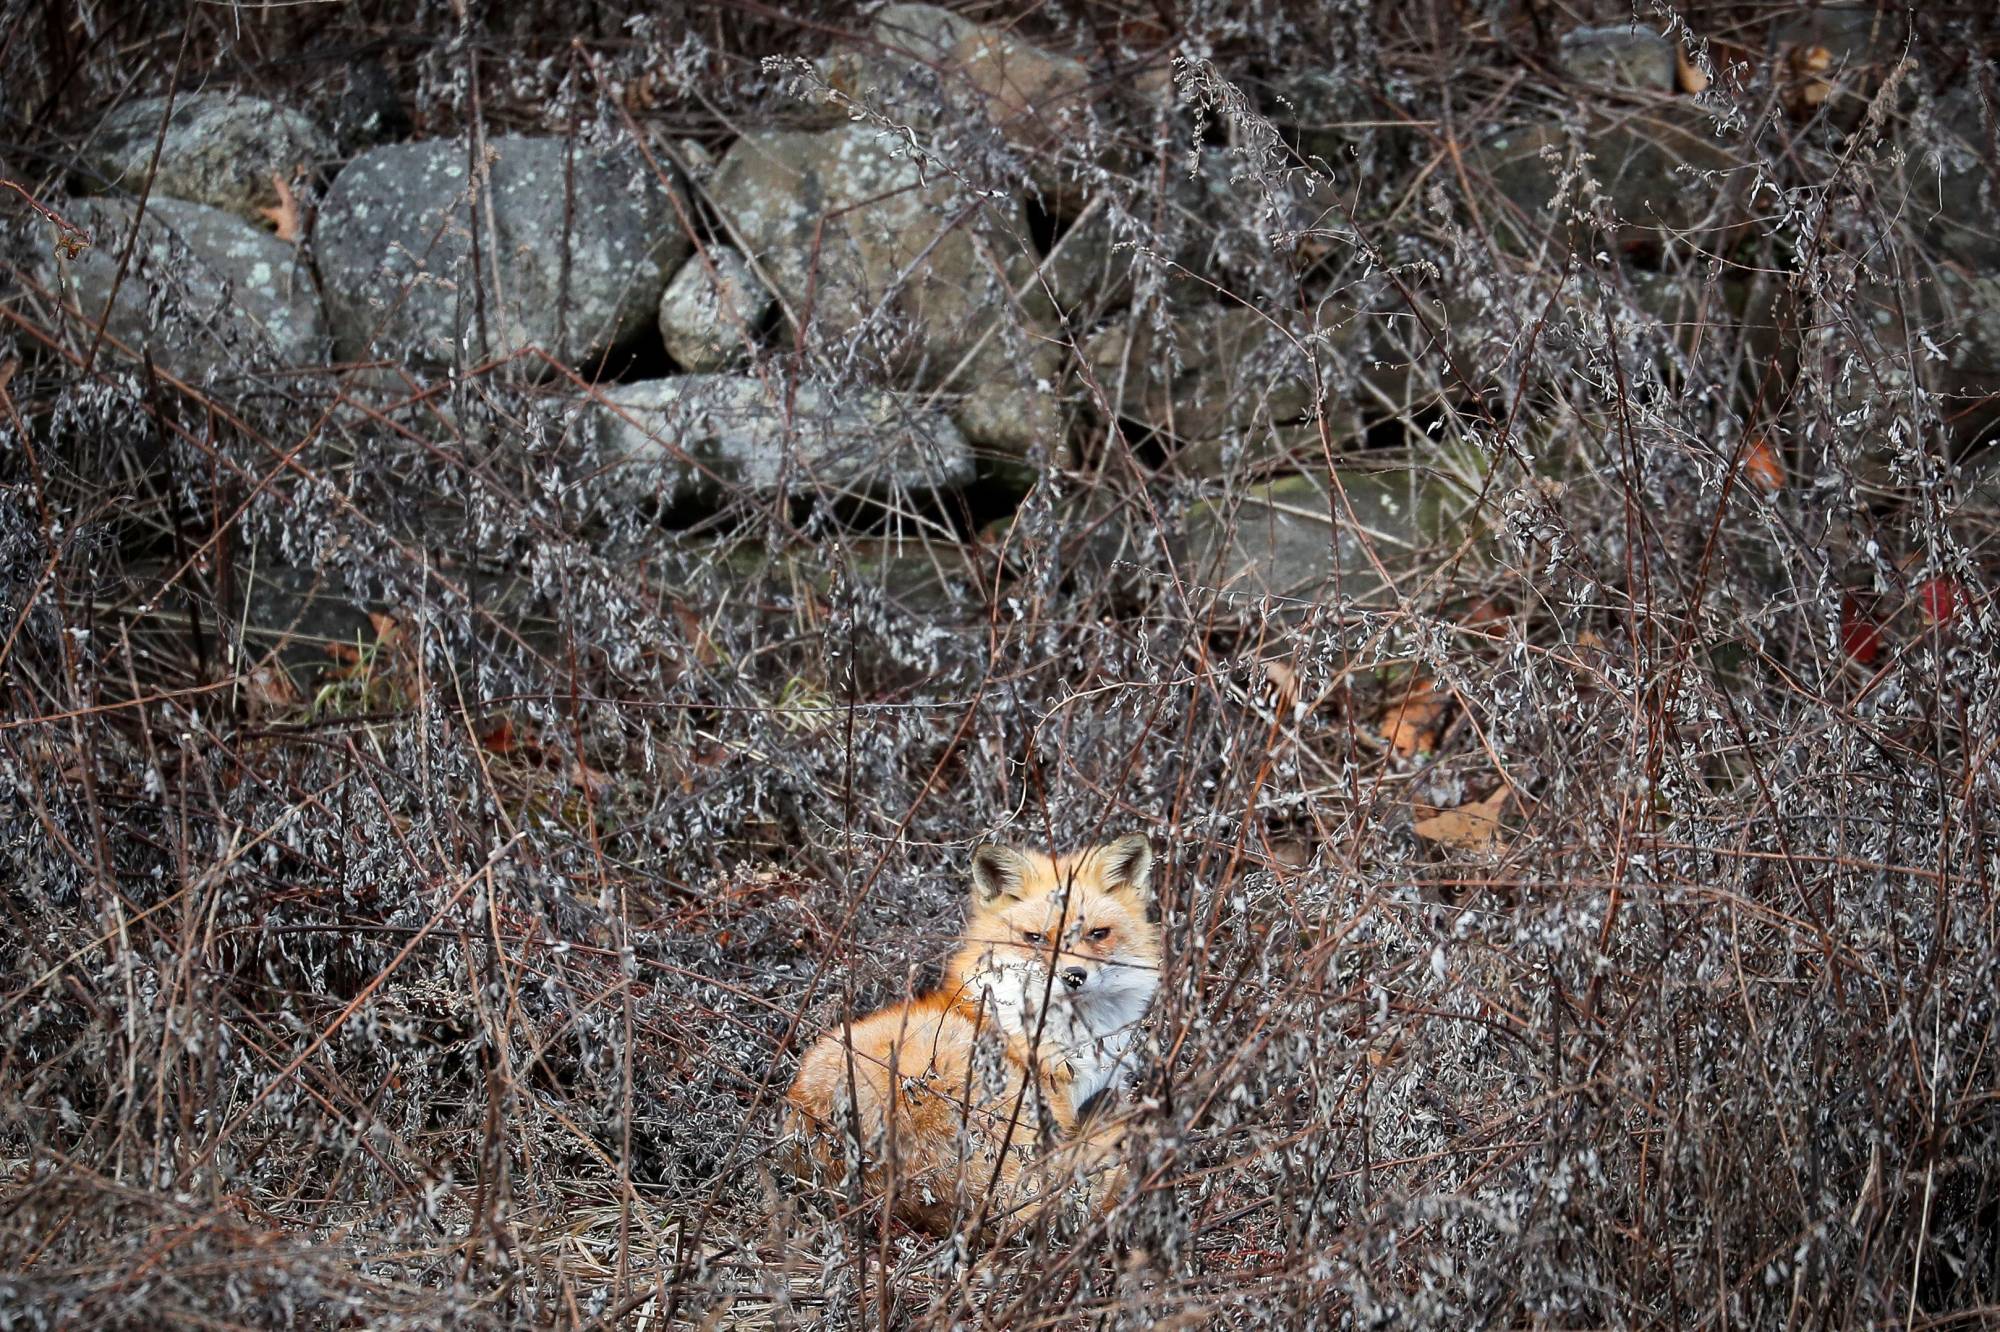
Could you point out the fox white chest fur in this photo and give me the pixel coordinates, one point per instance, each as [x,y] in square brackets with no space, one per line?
[1091,1029]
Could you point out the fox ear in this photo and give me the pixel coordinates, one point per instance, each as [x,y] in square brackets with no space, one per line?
[996,874]
[1127,865]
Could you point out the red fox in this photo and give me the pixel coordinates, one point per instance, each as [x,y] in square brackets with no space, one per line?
[974,1102]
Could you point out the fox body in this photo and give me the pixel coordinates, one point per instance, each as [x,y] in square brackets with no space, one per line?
[980,1098]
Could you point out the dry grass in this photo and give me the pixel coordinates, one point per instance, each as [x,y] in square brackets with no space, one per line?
[443,968]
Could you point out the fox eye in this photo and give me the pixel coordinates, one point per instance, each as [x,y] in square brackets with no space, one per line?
[1034,936]
[1100,934]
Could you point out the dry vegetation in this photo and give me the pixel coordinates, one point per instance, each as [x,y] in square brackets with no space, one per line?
[1596,930]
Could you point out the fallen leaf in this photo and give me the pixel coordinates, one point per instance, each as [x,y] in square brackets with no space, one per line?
[1809,86]
[1762,467]
[1487,613]
[593,782]
[270,688]
[697,635]
[501,739]
[1687,74]
[1284,683]
[387,631]
[1473,827]
[1939,599]
[285,216]
[71,242]
[1411,725]
[1860,637]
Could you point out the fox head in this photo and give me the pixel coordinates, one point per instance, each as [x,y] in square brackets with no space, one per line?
[1072,930]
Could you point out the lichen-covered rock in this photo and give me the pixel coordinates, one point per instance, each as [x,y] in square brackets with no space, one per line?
[921,64]
[691,436]
[369,111]
[1228,369]
[862,247]
[711,311]
[1954,184]
[1279,539]
[1019,409]
[206,292]
[925,576]
[1086,272]
[1941,334]
[1621,55]
[1663,175]
[1330,117]
[220,149]
[547,245]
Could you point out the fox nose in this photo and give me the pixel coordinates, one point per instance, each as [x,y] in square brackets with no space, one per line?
[1074,977]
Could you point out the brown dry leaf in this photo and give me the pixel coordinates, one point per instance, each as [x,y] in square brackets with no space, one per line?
[270,689]
[1412,723]
[1762,467]
[593,782]
[697,634]
[7,369]
[285,217]
[1810,86]
[1381,1056]
[70,243]
[1472,827]
[501,739]
[1284,683]
[387,631]
[1687,75]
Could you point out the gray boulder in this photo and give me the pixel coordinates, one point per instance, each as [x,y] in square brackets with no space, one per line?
[1278,539]
[865,249]
[1954,188]
[927,67]
[206,292]
[549,245]
[1225,370]
[695,436]
[1620,55]
[220,149]
[1658,175]
[710,312]
[1872,364]
[1012,412]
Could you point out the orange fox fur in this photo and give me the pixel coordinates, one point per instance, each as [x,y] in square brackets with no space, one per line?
[964,1102]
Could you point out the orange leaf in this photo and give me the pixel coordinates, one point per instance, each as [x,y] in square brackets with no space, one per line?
[1687,74]
[285,217]
[1810,87]
[387,631]
[1762,467]
[501,739]
[593,782]
[270,688]
[1474,826]
[697,635]
[1411,725]
[1284,683]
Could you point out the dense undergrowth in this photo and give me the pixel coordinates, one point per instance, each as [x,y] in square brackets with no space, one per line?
[442,962]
